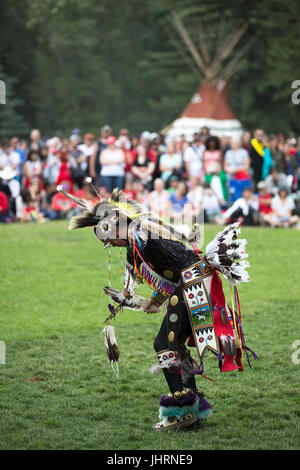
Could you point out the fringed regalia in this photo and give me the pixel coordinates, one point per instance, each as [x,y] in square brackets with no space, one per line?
[187,282]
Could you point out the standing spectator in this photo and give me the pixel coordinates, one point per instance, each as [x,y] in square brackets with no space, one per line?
[212,154]
[112,162]
[204,134]
[246,140]
[277,154]
[169,162]
[65,168]
[257,155]
[94,161]
[192,158]
[36,143]
[267,161]
[142,168]
[236,161]
[124,139]
[87,148]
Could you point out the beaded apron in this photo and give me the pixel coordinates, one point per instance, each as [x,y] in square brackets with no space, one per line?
[196,285]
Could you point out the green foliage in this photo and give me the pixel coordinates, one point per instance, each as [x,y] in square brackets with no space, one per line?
[57,389]
[88,63]
[11,121]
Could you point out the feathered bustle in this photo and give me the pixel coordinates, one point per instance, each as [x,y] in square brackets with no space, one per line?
[226,253]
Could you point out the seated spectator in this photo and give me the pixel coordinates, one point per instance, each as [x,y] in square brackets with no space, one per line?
[195,195]
[275,180]
[28,208]
[4,208]
[179,205]
[129,189]
[282,207]
[9,158]
[244,209]
[172,184]
[62,205]
[112,161]
[142,167]
[264,201]
[32,168]
[211,205]
[212,154]
[158,199]
[141,194]
[236,161]
[86,191]
[169,162]
[218,183]
[11,186]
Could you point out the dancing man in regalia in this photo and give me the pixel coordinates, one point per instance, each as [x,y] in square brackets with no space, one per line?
[188,283]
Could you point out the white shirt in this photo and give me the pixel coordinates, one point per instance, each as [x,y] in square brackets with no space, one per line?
[87,150]
[242,204]
[236,158]
[193,156]
[282,207]
[113,169]
[11,159]
[195,196]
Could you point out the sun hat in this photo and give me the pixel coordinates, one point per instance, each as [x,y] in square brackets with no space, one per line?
[8,173]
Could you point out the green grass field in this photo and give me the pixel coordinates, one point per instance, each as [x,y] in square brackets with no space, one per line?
[57,389]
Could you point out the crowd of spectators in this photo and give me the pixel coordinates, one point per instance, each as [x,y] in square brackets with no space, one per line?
[254,179]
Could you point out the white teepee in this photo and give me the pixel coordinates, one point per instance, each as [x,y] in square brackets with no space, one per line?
[209,105]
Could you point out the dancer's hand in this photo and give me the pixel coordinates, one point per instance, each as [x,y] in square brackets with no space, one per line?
[152,306]
[126,294]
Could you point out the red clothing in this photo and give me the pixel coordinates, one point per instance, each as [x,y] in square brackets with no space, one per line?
[65,175]
[129,193]
[3,202]
[263,207]
[81,194]
[61,201]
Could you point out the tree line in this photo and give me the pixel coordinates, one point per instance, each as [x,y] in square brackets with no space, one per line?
[71,63]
